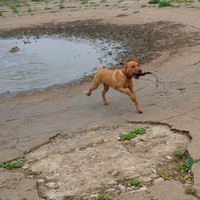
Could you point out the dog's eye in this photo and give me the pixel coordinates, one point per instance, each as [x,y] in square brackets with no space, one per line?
[133,66]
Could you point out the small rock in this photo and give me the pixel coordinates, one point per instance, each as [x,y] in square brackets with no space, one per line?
[143,188]
[25,166]
[145,179]
[40,180]
[158,180]
[169,157]
[112,182]
[121,187]
[115,173]
[111,190]
[154,171]
[51,185]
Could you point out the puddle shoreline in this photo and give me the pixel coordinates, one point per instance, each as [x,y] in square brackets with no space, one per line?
[65,61]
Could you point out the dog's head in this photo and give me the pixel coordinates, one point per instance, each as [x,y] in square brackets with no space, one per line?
[131,67]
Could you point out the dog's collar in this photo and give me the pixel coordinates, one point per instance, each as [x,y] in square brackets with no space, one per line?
[127,76]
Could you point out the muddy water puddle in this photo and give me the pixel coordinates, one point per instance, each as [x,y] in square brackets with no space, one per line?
[95,161]
[48,61]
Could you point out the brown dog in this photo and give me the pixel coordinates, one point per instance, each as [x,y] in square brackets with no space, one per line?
[118,79]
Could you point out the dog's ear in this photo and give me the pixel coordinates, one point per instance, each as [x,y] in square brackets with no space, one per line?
[134,58]
[123,63]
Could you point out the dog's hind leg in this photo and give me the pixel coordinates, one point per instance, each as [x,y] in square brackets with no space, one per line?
[106,87]
[96,83]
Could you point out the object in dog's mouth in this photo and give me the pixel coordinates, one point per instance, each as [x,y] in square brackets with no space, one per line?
[143,73]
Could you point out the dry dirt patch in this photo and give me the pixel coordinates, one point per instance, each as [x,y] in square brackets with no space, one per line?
[95,161]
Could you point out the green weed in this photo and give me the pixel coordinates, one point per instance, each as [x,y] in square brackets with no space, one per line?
[164,4]
[179,155]
[154,1]
[143,6]
[166,176]
[103,1]
[84,2]
[104,197]
[1,15]
[189,164]
[134,182]
[61,6]
[119,1]
[29,10]
[12,165]
[133,134]
[91,198]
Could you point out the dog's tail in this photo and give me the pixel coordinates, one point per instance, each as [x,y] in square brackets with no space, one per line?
[99,68]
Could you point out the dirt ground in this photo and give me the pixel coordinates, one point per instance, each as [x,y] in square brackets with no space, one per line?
[71,141]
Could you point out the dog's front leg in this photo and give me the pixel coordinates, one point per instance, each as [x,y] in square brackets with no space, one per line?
[132,97]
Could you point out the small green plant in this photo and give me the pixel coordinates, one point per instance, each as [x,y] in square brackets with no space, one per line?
[154,1]
[91,198]
[104,197]
[61,6]
[179,155]
[29,10]
[71,151]
[164,4]
[1,15]
[133,134]
[189,164]
[143,6]
[12,165]
[13,7]
[134,182]
[119,1]
[103,1]
[84,2]
[18,5]
[166,176]
[31,173]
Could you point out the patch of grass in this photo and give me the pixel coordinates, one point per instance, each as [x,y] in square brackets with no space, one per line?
[189,163]
[12,164]
[29,10]
[1,15]
[71,151]
[71,6]
[166,176]
[119,1]
[134,182]
[164,4]
[54,11]
[103,197]
[179,155]
[84,2]
[13,7]
[176,6]
[122,7]
[103,1]
[18,5]
[143,6]
[91,198]
[133,134]
[106,5]
[154,1]
[61,6]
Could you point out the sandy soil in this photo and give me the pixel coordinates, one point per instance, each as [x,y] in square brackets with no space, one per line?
[72,141]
